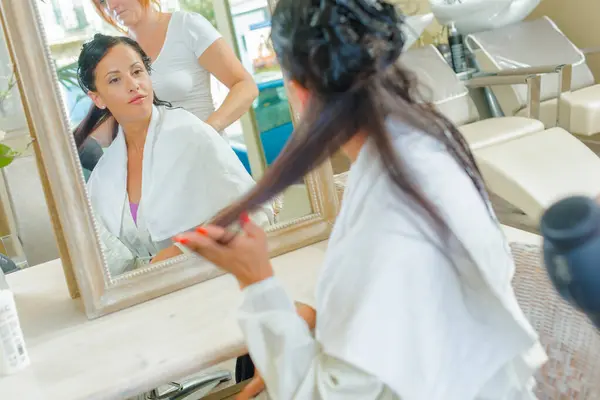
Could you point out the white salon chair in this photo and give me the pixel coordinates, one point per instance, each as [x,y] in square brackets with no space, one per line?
[524,164]
[569,98]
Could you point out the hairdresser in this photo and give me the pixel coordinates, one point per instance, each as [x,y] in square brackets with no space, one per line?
[185,50]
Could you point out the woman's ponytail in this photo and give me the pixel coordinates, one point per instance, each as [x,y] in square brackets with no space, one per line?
[93,119]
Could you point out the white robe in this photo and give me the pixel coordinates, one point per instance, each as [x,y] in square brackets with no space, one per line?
[119,258]
[400,316]
[189,174]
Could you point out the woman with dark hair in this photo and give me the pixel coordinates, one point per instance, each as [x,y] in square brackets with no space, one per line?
[166,171]
[414,300]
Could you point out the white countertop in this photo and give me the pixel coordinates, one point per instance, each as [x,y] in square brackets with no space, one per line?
[137,349]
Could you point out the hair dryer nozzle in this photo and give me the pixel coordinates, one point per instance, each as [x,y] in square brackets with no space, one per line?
[570,221]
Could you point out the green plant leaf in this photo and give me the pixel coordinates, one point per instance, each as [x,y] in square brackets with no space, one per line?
[7,155]
[67,75]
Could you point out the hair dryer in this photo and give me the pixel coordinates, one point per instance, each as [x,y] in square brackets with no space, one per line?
[571,235]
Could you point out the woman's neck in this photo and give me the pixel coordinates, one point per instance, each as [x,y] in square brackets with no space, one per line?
[147,25]
[353,146]
[135,135]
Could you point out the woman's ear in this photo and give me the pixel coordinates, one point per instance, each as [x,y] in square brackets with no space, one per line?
[97,100]
[299,96]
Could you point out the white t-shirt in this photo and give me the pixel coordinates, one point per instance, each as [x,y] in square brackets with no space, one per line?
[176,75]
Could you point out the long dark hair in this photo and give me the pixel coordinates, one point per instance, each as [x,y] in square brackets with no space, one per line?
[91,54]
[345,52]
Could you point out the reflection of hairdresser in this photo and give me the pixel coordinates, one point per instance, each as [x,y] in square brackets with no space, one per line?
[185,50]
[166,171]
[414,300]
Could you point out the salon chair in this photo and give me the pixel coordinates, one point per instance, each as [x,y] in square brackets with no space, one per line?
[568,93]
[523,163]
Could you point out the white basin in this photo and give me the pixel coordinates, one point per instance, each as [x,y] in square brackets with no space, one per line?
[472,16]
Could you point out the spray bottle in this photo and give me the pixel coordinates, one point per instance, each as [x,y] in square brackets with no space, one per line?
[455,40]
[13,353]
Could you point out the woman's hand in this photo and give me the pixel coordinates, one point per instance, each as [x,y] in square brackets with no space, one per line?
[169,252]
[246,256]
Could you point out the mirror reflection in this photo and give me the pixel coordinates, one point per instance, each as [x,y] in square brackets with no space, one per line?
[155,94]
[26,237]
[271,108]
[166,171]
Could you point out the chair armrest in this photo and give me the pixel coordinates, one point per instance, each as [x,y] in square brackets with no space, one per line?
[545,69]
[496,80]
[533,82]
[564,71]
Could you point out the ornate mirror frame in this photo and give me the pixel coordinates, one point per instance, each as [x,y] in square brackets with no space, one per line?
[75,229]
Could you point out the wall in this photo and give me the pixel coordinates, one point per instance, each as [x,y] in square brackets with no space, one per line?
[417,7]
[580,21]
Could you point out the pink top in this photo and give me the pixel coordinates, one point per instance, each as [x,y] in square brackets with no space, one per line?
[134,209]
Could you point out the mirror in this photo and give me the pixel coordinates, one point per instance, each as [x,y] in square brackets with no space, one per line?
[165,171]
[118,199]
[26,237]
[251,25]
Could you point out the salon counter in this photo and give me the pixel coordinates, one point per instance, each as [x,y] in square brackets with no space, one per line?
[136,349]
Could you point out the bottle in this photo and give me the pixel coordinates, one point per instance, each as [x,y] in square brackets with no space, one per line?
[570,230]
[13,353]
[455,40]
